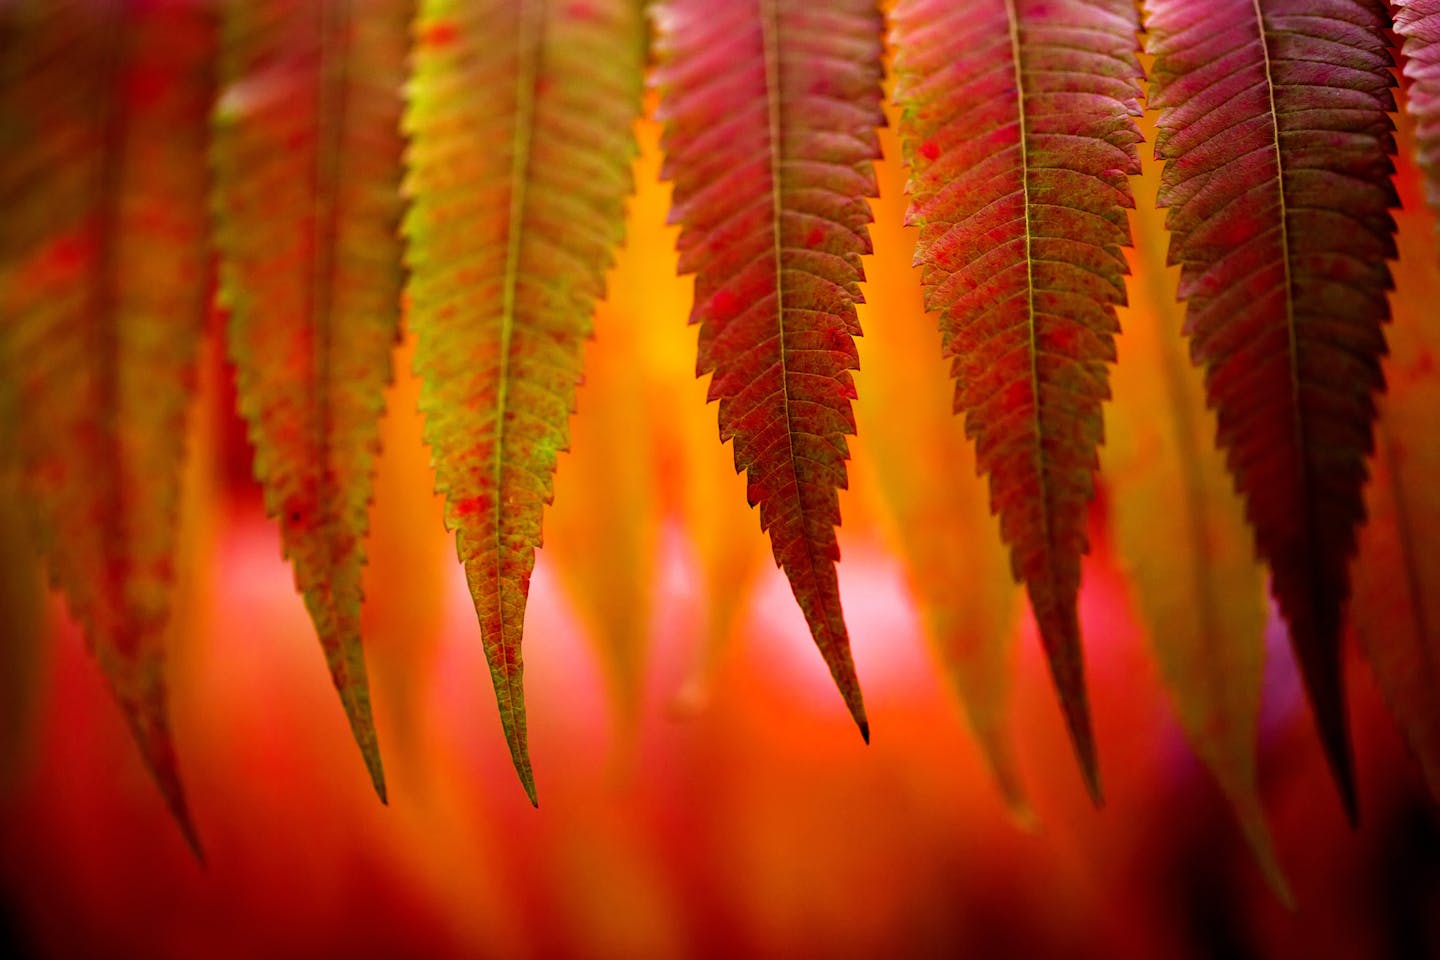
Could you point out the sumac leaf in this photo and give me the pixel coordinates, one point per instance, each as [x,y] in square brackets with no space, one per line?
[520,117]
[104,276]
[307,158]
[1396,610]
[1179,530]
[1273,125]
[1017,122]
[770,110]
[1418,22]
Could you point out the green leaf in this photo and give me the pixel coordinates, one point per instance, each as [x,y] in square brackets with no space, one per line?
[521,117]
[1017,122]
[104,275]
[1274,128]
[307,158]
[770,110]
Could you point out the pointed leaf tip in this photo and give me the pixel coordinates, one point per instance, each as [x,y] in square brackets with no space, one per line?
[103,294]
[864,730]
[1020,196]
[519,194]
[307,158]
[377,776]
[355,699]
[774,221]
[1082,739]
[147,716]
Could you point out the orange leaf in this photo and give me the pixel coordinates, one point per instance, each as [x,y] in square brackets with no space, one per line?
[1179,529]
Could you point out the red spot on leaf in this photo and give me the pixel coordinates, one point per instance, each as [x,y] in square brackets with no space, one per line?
[472,507]
[814,237]
[723,305]
[930,150]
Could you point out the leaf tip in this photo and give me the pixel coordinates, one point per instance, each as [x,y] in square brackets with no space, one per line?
[149,724]
[520,757]
[1090,768]
[864,726]
[355,697]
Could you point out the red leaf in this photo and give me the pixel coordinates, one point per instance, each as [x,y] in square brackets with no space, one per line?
[1018,126]
[307,159]
[103,280]
[1273,122]
[1418,22]
[770,110]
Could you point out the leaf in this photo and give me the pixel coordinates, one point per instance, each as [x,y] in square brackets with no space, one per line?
[1273,125]
[1418,22]
[520,116]
[1017,125]
[1397,572]
[104,278]
[307,158]
[770,109]
[608,498]
[940,522]
[1180,531]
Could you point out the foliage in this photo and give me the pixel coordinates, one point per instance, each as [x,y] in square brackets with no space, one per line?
[478,188]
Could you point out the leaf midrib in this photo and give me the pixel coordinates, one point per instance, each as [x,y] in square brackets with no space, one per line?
[331,105]
[770,43]
[529,29]
[105,309]
[1013,20]
[1297,422]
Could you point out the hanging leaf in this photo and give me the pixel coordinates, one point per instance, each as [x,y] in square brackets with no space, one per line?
[609,499]
[521,115]
[1180,531]
[1397,573]
[307,168]
[946,537]
[1273,122]
[770,109]
[1418,22]
[103,282]
[1017,125]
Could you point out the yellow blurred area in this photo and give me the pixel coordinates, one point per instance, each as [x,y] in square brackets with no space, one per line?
[702,791]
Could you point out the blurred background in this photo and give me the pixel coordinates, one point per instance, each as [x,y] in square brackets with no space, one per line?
[702,790]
